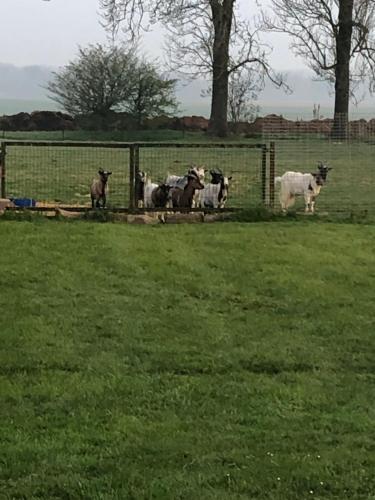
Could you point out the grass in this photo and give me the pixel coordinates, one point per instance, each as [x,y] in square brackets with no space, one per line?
[230,361]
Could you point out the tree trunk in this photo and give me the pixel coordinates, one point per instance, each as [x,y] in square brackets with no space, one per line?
[222,15]
[342,71]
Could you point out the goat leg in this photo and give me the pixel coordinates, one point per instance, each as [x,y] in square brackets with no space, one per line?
[312,204]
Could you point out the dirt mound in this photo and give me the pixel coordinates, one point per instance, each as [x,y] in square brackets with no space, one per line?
[38,120]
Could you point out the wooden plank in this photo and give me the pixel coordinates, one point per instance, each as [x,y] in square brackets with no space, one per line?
[136,172]
[264,175]
[209,145]
[272,173]
[3,190]
[132,161]
[125,210]
[73,144]
[128,145]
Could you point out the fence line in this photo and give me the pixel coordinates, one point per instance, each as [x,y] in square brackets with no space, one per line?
[3,170]
[58,171]
[350,184]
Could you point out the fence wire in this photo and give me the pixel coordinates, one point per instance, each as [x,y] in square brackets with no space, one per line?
[242,164]
[60,173]
[300,146]
[63,174]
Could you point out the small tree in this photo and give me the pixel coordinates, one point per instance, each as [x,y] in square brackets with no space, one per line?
[151,95]
[104,79]
[99,80]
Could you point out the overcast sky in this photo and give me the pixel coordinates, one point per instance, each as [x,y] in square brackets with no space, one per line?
[48,32]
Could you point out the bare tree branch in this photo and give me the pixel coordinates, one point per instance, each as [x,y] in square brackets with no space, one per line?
[336,38]
[204,38]
[314,29]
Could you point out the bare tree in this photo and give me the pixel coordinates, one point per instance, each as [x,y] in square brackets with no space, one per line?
[243,91]
[205,38]
[191,51]
[336,38]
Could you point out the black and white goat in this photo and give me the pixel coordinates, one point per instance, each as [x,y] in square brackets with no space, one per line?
[156,195]
[99,189]
[294,184]
[215,194]
[160,196]
[180,181]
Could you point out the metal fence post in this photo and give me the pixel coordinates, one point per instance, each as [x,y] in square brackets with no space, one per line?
[3,170]
[272,174]
[264,174]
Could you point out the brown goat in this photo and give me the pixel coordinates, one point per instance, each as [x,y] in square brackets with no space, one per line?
[99,189]
[183,198]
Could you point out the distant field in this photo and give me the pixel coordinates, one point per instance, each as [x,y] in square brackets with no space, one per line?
[64,174]
[87,135]
[226,361]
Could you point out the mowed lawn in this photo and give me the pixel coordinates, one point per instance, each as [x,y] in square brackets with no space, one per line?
[226,361]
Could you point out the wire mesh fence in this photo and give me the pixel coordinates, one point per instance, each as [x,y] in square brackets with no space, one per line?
[62,173]
[349,186]
[57,173]
[242,164]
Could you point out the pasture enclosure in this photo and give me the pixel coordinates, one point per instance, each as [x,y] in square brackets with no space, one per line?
[301,145]
[60,173]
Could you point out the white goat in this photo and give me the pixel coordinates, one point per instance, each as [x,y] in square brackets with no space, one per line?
[214,194]
[140,182]
[148,189]
[296,183]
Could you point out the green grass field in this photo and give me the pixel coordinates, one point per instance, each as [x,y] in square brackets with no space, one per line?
[226,361]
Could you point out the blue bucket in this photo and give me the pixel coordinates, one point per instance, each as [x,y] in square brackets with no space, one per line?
[24,202]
